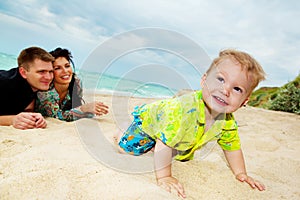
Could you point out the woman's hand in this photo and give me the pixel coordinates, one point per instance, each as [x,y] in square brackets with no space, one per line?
[97,108]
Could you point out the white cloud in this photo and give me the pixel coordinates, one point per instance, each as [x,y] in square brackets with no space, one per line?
[269,30]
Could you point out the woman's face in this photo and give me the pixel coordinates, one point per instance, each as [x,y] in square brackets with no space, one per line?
[62,71]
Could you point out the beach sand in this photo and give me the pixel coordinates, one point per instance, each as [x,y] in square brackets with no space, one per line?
[78,160]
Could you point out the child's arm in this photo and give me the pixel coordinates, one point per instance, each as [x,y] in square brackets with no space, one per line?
[236,162]
[162,163]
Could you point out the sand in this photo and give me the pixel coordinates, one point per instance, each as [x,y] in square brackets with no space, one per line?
[78,160]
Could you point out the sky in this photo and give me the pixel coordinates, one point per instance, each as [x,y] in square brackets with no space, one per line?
[158,34]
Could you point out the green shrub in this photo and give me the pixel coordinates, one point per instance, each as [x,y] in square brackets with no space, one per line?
[273,96]
[287,99]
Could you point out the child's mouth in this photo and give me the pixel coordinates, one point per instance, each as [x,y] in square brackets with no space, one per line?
[220,101]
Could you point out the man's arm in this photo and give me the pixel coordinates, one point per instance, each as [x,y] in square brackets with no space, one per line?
[23,120]
[6,120]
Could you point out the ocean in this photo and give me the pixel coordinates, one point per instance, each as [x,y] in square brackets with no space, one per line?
[107,83]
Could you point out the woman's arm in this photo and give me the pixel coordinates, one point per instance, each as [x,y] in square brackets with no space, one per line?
[97,108]
[47,104]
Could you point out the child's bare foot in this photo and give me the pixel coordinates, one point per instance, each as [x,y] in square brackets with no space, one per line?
[116,138]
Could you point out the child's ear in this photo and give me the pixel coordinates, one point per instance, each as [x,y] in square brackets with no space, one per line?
[203,79]
[23,72]
[245,102]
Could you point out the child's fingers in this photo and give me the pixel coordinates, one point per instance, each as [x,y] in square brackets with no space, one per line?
[171,183]
[165,186]
[260,186]
[250,181]
[177,187]
[241,177]
[180,190]
[255,184]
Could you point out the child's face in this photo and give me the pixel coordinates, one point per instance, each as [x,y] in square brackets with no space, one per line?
[226,87]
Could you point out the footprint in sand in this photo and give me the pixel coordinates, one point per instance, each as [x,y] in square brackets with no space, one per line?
[10,148]
[267,144]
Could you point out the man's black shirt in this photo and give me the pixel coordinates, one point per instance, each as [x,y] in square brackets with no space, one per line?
[16,93]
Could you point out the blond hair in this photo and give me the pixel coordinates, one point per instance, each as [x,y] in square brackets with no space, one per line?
[254,70]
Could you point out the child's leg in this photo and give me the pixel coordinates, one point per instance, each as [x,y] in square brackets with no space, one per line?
[117,137]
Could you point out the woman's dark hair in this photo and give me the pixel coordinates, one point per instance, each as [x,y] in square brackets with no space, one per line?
[59,52]
[76,99]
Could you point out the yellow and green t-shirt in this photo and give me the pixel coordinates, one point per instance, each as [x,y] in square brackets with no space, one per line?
[179,123]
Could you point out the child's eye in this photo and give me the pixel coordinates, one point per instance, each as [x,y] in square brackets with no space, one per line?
[67,66]
[221,79]
[238,89]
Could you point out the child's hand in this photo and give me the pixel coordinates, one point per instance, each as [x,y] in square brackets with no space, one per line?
[253,183]
[168,183]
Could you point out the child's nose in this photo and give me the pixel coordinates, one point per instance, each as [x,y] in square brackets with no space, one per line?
[226,90]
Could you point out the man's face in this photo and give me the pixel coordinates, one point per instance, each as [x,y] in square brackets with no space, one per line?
[226,87]
[39,75]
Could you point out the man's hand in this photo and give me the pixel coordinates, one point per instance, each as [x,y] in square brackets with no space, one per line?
[40,121]
[28,120]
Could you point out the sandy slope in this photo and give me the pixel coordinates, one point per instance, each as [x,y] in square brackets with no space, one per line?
[67,161]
